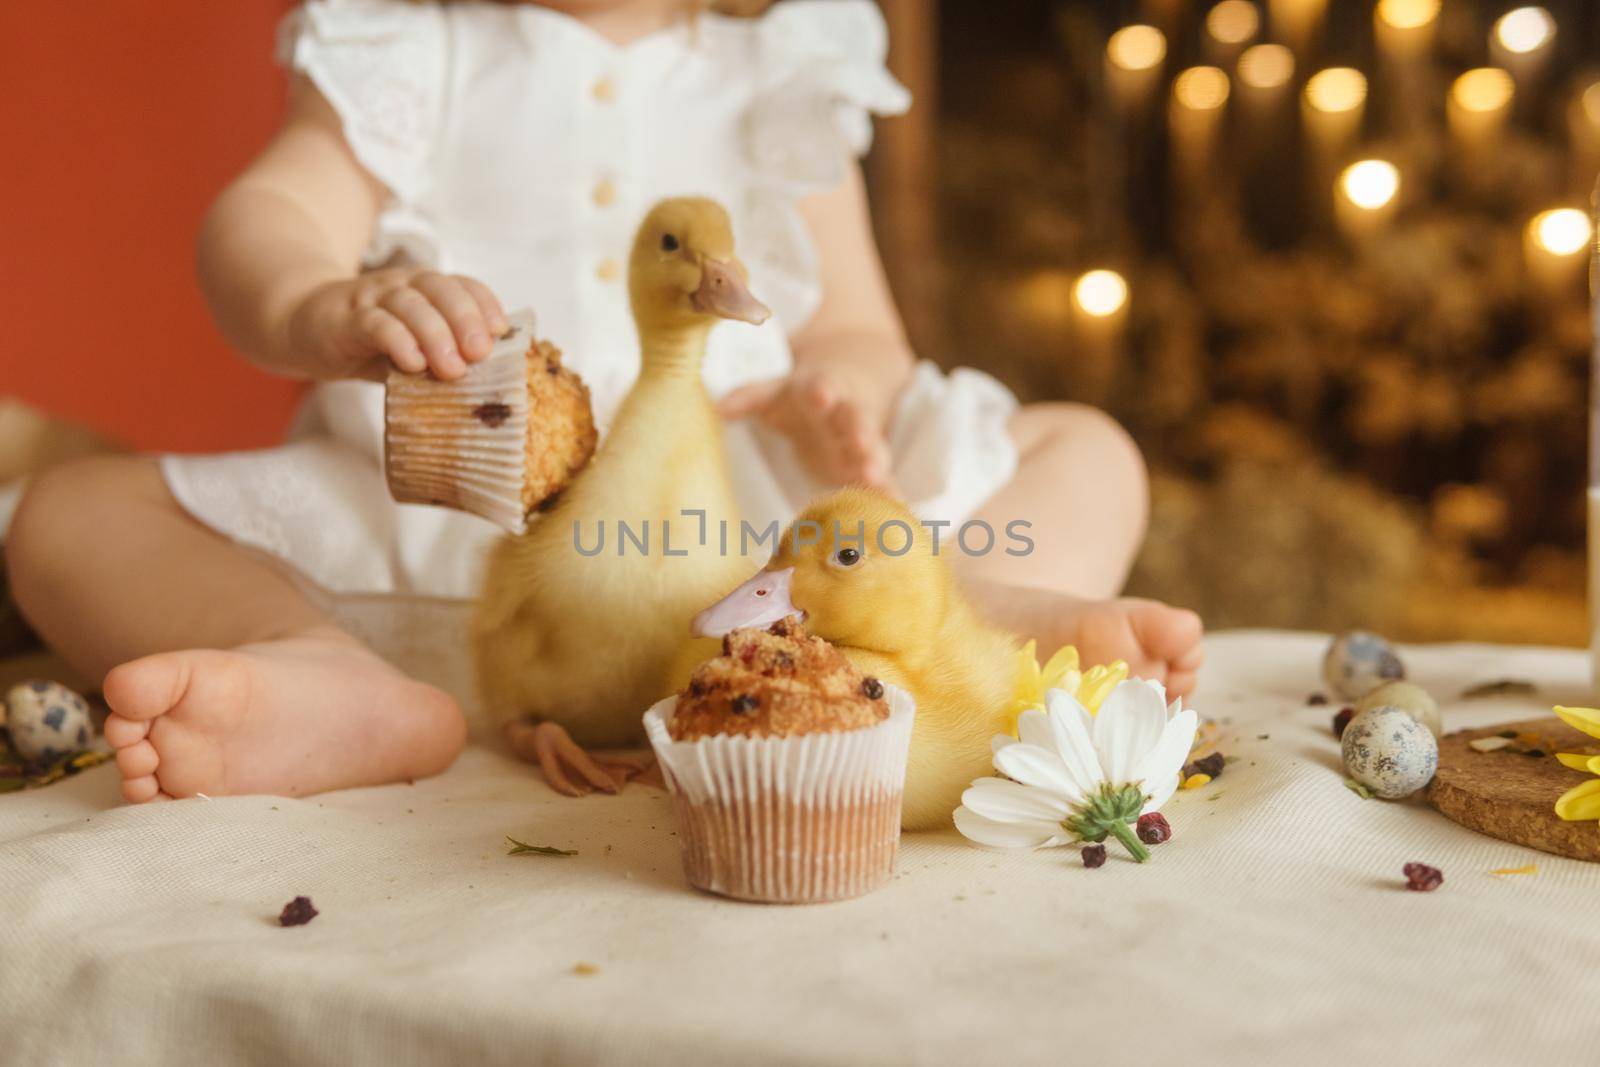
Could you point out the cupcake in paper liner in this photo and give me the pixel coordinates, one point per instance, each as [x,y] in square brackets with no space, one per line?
[787,766]
[499,442]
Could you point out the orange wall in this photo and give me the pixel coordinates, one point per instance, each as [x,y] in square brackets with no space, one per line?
[119,120]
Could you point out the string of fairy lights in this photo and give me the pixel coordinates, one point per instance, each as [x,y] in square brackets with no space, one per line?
[1255,78]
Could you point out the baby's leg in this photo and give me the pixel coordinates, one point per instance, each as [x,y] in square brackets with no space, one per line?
[1081,483]
[221,677]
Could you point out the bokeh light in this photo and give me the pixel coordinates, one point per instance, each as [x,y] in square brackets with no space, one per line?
[1101,293]
[1483,89]
[1201,88]
[1563,231]
[1591,103]
[1407,14]
[1336,89]
[1525,29]
[1233,21]
[1371,183]
[1137,47]
[1266,66]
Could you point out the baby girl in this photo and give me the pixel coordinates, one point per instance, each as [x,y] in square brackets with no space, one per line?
[439,165]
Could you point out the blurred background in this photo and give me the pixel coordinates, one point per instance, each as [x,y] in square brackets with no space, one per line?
[1325,258]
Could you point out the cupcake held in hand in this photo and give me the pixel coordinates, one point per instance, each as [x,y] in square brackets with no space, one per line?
[788,768]
[500,442]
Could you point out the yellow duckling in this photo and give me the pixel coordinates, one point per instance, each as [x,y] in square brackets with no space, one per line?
[864,573]
[572,644]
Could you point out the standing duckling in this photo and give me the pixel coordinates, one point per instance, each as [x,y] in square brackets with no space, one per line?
[572,644]
[898,615]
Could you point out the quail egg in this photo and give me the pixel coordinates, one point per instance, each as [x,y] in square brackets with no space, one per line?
[1389,752]
[1413,699]
[1358,662]
[46,721]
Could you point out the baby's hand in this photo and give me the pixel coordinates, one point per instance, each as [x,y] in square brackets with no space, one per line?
[417,320]
[839,440]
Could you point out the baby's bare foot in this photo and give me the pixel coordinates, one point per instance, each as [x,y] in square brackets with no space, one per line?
[294,716]
[1158,641]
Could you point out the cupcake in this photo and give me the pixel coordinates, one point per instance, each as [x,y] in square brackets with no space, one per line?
[499,442]
[787,766]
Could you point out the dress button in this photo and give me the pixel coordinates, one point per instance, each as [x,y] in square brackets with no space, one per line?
[605,192]
[605,89]
[607,270]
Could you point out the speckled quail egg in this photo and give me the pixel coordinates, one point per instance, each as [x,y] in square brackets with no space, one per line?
[1358,662]
[1389,752]
[1413,699]
[46,721]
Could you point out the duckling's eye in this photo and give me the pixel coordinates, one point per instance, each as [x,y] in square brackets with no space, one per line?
[847,557]
[669,243]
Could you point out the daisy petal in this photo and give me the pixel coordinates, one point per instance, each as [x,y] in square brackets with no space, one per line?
[1033,727]
[1003,801]
[1037,767]
[1071,726]
[1158,768]
[1585,719]
[1128,725]
[995,834]
[999,741]
[1578,761]
[1580,803]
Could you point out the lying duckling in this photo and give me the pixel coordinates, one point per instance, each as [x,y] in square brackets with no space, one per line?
[899,616]
[571,648]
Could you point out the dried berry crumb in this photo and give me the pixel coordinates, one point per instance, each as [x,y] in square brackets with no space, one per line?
[744,705]
[1341,720]
[872,687]
[1153,828]
[1210,766]
[1094,855]
[297,912]
[1316,699]
[1536,753]
[1421,878]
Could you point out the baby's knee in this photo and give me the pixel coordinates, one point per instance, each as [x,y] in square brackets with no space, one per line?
[64,505]
[1090,432]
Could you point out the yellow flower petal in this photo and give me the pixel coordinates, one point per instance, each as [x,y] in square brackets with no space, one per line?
[1195,781]
[1585,719]
[1580,803]
[1532,868]
[1578,761]
[1064,662]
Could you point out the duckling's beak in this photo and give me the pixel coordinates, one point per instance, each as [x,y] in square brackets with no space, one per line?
[723,292]
[761,601]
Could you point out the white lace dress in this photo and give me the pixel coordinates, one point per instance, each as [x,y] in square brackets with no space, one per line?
[522,148]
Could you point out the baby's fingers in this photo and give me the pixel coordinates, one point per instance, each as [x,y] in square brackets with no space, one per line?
[865,453]
[382,332]
[427,324]
[488,304]
[461,313]
[747,400]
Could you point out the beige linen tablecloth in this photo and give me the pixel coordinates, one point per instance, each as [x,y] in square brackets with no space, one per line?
[1272,928]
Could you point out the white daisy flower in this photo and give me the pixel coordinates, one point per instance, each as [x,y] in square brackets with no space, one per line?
[1072,776]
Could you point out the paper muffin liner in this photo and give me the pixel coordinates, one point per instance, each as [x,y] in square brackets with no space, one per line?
[788,820]
[464,444]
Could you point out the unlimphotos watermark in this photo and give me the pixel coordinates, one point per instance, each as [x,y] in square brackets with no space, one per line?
[975,537]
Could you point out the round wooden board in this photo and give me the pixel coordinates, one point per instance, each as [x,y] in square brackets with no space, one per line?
[1512,796]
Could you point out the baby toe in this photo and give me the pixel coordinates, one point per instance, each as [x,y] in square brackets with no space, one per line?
[138,760]
[140,790]
[120,732]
